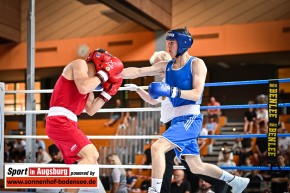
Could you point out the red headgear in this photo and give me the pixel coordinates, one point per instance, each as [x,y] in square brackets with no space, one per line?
[100,56]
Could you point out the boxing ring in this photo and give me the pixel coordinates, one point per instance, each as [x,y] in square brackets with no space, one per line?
[156,110]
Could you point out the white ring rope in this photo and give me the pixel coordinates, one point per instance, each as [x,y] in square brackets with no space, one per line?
[50,90]
[134,166]
[107,110]
[118,166]
[89,136]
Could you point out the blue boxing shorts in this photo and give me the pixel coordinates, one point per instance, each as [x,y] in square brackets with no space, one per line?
[183,133]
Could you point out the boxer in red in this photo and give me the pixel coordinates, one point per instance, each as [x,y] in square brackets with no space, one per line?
[72,94]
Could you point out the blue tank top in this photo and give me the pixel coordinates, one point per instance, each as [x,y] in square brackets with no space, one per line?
[182,79]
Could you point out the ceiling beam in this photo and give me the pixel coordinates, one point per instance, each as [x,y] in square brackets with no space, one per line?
[152,14]
[10,18]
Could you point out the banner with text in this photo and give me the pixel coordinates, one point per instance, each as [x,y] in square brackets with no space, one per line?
[51,176]
[273,116]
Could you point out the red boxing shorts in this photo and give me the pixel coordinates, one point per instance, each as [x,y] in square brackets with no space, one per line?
[67,137]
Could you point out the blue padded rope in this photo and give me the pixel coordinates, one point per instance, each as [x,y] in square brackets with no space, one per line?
[247,82]
[242,106]
[242,136]
[254,168]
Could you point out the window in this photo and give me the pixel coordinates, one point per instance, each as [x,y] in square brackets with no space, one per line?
[16,102]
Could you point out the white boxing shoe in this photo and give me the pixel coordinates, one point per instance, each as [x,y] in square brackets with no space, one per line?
[239,184]
[152,190]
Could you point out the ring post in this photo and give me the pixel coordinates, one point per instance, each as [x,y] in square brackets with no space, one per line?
[2,99]
[30,77]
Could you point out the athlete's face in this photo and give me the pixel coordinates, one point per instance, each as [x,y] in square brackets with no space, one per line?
[172,47]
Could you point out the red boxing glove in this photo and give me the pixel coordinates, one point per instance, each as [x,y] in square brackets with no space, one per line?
[112,66]
[106,64]
[111,87]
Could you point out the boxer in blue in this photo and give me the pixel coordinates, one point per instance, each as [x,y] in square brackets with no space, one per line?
[184,83]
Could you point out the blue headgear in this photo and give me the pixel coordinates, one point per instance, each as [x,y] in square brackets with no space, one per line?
[184,40]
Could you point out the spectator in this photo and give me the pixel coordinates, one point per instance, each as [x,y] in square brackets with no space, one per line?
[255,181]
[247,149]
[7,157]
[126,120]
[284,143]
[131,179]
[117,175]
[262,118]
[147,158]
[248,163]
[281,125]
[202,141]
[283,98]
[214,112]
[180,184]
[266,174]
[40,142]
[115,116]
[145,185]
[42,156]
[20,144]
[227,162]
[288,186]
[280,178]
[204,187]
[212,127]
[10,152]
[55,154]
[19,150]
[192,178]
[225,146]
[261,147]
[125,124]
[262,99]
[249,119]
[237,146]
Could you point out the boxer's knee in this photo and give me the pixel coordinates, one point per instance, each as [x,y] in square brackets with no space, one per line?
[92,158]
[161,146]
[155,149]
[89,154]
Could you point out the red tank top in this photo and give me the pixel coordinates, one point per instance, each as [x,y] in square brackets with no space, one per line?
[65,94]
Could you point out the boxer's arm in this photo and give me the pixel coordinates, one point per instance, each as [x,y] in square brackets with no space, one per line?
[134,72]
[199,71]
[146,97]
[93,104]
[84,83]
[142,93]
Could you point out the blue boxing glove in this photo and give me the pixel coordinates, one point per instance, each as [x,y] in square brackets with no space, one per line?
[157,89]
